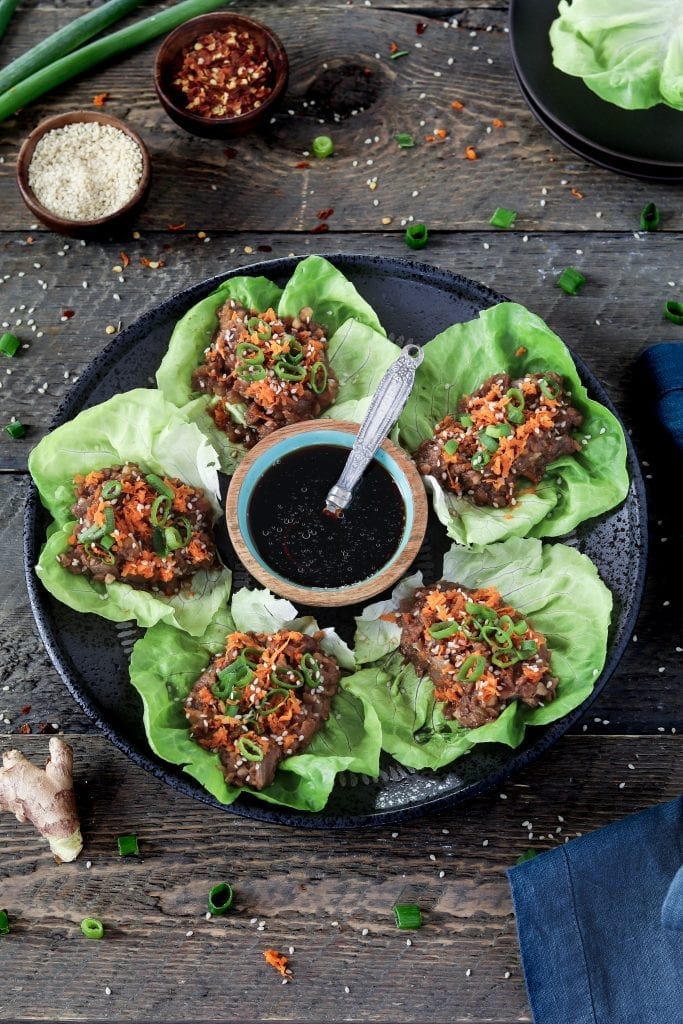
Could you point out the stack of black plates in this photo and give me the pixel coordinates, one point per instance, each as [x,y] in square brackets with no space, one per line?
[644,144]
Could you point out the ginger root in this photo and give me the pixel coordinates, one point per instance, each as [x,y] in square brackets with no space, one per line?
[44,797]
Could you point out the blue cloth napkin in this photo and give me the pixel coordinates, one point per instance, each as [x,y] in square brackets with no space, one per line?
[662,367]
[600,923]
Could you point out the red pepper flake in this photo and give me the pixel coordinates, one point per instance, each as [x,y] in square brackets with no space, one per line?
[577,195]
[497,123]
[100,99]
[177,227]
[324,214]
[302,163]
[457,105]
[25,728]
[471,153]
[125,259]
[224,74]
[264,248]
[278,961]
[26,709]
[68,313]
[393,47]
[320,228]
[421,28]
[521,351]
[152,264]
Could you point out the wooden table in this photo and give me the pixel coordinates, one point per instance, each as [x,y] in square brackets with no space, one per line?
[326,895]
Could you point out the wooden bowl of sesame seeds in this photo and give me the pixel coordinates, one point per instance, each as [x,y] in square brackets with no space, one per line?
[220,75]
[85,174]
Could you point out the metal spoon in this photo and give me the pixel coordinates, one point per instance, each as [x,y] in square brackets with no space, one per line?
[385,408]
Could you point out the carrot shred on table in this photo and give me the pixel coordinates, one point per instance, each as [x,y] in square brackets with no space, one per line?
[471,153]
[497,123]
[125,259]
[577,195]
[457,105]
[278,961]
[100,99]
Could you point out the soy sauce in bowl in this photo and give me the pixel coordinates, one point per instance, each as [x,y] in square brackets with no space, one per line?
[302,543]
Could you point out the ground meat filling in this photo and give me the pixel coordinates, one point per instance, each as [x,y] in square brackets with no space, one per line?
[260,701]
[505,430]
[265,371]
[151,532]
[480,653]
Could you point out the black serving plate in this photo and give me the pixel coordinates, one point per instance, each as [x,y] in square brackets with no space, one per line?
[414,302]
[645,144]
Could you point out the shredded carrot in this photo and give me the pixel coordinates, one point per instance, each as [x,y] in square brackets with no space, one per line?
[278,961]
[125,259]
[577,195]
[457,105]
[521,351]
[497,123]
[100,99]
[471,153]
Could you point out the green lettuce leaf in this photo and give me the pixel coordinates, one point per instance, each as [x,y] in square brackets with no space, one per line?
[561,592]
[141,427]
[359,351]
[629,53]
[507,337]
[166,663]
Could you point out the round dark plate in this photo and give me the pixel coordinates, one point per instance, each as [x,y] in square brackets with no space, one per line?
[415,303]
[644,143]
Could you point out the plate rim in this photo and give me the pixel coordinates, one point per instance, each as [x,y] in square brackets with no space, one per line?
[520,757]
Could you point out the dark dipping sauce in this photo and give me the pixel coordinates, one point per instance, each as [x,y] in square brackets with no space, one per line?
[305,545]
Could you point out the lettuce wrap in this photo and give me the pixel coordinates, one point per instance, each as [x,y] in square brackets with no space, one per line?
[565,599]
[627,52]
[508,338]
[358,350]
[166,663]
[139,426]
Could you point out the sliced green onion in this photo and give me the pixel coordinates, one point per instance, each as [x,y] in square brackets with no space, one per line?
[250,372]
[472,668]
[514,410]
[111,489]
[550,388]
[318,370]
[5,928]
[253,322]
[294,353]
[466,421]
[440,630]
[416,236]
[160,510]
[263,710]
[528,648]
[506,623]
[92,928]
[571,280]
[310,669]
[128,846]
[527,855]
[186,525]
[252,655]
[107,542]
[649,217]
[32,82]
[98,550]
[407,916]
[289,371]
[93,532]
[173,539]
[498,430]
[490,443]
[520,627]
[265,334]
[502,217]
[673,311]
[397,54]
[322,146]
[284,676]
[504,659]
[220,899]
[9,343]
[480,611]
[249,749]
[247,352]
[480,459]
[15,429]
[405,140]
[160,486]
[159,542]
[451,446]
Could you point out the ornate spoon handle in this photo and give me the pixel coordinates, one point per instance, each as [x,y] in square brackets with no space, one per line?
[385,408]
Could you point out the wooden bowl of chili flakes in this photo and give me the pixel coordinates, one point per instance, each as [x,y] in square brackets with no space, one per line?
[220,75]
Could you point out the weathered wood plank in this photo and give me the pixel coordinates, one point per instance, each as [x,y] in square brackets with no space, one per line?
[317,893]
[254,184]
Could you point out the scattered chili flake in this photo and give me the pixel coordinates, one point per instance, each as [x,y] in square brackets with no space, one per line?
[577,195]
[324,214]
[457,105]
[152,264]
[421,28]
[521,351]
[224,74]
[26,709]
[125,259]
[25,728]
[177,227]
[441,133]
[393,47]
[278,961]
[100,99]
[471,153]
[302,163]
[68,313]
[320,228]
[497,123]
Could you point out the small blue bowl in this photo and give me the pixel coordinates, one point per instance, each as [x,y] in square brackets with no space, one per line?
[294,438]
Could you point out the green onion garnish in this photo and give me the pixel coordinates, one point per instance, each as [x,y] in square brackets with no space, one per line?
[15,429]
[405,140]
[4,923]
[480,611]
[295,352]
[416,236]
[287,678]
[9,343]
[318,378]
[490,443]
[397,54]
[550,388]
[128,846]
[451,446]
[502,217]
[527,855]
[472,668]
[111,489]
[310,669]
[265,334]
[253,322]
[514,410]
[649,217]
[250,371]
[220,898]
[322,146]
[571,280]
[173,539]
[528,648]
[466,421]
[252,655]
[249,749]
[498,430]
[504,659]
[247,352]
[92,928]
[160,510]
[480,459]
[407,916]
[289,371]
[93,532]
[673,311]
[158,484]
[440,630]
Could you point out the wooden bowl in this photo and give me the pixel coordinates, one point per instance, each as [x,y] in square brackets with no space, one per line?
[112,223]
[299,436]
[167,64]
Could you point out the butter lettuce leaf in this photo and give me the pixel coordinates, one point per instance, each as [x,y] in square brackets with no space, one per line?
[560,591]
[509,338]
[166,663]
[359,351]
[141,427]
[629,53]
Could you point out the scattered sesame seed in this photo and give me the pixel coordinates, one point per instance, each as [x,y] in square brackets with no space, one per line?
[189,934]
[364,932]
[107,991]
[468,972]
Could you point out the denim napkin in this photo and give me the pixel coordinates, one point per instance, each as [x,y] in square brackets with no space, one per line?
[662,368]
[600,923]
